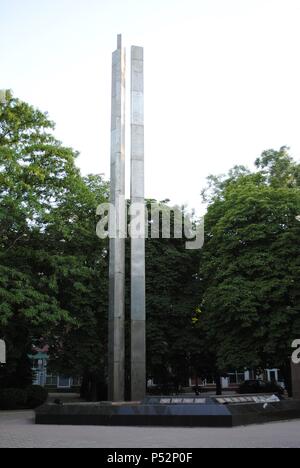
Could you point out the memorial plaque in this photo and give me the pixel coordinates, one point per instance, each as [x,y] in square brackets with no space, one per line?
[229,400]
[259,399]
[188,401]
[222,401]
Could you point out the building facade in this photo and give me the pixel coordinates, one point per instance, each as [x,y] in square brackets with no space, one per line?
[53,382]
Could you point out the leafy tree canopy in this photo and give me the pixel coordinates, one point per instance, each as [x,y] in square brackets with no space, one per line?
[51,261]
[250,264]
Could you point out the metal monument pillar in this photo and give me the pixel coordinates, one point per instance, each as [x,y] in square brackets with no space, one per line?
[116,332]
[138,309]
[117,229]
[296,381]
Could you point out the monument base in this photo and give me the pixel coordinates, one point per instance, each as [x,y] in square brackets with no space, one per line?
[176,412]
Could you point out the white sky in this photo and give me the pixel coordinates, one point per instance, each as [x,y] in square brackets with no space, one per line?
[222,80]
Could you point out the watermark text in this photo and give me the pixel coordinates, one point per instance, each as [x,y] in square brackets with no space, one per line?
[155,221]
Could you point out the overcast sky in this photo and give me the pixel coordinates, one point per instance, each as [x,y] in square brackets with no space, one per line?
[222,80]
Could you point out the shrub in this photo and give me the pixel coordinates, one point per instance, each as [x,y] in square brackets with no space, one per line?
[13,398]
[166,389]
[36,396]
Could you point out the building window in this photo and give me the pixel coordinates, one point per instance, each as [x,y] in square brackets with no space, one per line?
[64,382]
[236,377]
[51,380]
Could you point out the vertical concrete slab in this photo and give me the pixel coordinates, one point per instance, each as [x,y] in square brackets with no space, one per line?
[2,352]
[138,308]
[116,329]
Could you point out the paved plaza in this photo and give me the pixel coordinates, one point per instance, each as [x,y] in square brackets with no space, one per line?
[17,430]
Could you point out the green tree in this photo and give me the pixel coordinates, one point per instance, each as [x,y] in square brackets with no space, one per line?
[279,169]
[35,173]
[51,261]
[78,260]
[250,266]
[172,295]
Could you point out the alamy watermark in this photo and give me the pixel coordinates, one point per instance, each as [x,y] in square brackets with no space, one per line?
[155,221]
[152,221]
[296,353]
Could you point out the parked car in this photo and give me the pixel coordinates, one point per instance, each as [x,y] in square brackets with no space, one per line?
[260,386]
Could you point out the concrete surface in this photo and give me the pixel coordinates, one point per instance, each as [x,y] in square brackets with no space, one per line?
[17,430]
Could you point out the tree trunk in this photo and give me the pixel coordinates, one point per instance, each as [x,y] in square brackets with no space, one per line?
[287,375]
[218,380]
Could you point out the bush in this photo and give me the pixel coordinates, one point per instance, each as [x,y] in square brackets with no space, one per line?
[36,396]
[165,389]
[13,398]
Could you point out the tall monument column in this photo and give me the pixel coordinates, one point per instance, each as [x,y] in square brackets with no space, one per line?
[138,315]
[296,381]
[116,332]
